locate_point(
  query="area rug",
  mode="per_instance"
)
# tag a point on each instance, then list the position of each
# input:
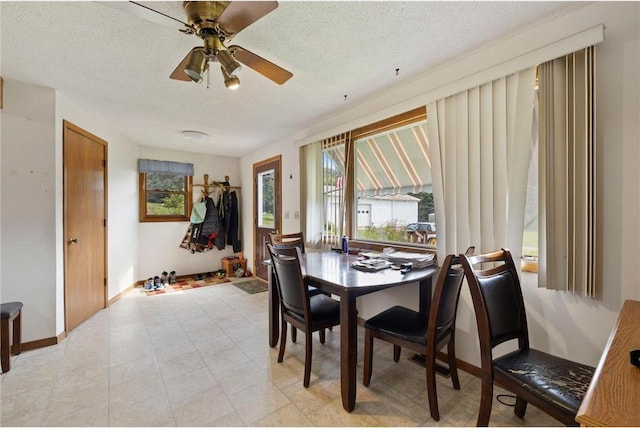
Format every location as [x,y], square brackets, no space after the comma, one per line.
[252,286]
[187,283]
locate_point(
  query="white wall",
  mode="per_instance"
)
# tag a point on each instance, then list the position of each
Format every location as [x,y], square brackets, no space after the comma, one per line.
[28,264]
[159,242]
[567,325]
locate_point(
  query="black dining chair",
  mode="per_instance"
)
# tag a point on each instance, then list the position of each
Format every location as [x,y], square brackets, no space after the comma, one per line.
[297,307]
[286,240]
[554,385]
[422,333]
[293,240]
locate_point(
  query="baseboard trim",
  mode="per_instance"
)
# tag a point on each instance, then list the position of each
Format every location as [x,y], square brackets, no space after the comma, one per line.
[122,293]
[42,343]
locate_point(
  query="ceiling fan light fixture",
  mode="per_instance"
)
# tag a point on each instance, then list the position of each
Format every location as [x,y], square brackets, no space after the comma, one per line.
[196,66]
[228,62]
[231,82]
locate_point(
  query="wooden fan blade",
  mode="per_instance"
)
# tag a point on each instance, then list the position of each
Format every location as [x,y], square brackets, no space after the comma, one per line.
[261,65]
[142,11]
[238,15]
[178,73]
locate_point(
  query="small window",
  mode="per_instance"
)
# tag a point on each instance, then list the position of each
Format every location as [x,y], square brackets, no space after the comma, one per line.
[165,197]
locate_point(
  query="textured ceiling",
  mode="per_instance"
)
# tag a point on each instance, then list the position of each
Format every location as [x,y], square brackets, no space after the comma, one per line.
[118,65]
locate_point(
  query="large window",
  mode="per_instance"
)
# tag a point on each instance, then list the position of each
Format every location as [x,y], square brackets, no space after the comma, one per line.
[393,187]
[164,190]
[377,183]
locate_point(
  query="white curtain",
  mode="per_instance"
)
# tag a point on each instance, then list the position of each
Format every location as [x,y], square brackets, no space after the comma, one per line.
[567,213]
[480,142]
[311,194]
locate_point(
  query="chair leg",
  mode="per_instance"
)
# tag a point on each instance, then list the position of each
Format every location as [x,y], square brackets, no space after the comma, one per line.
[294,334]
[4,346]
[486,401]
[308,341]
[17,334]
[520,408]
[396,353]
[323,337]
[283,339]
[453,365]
[432,394]
[368,358]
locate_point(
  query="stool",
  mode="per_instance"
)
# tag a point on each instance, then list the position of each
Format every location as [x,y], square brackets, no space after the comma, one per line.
[10,313]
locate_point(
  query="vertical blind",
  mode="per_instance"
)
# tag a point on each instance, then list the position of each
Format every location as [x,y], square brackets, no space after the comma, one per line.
[335,173]
[480,143]
[567,212]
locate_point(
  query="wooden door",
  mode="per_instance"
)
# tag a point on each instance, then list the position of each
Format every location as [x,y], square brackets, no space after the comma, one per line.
[267,209]
[85,225]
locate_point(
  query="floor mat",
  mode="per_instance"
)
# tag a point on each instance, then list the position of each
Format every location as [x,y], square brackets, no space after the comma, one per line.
[252,286]
[187,284]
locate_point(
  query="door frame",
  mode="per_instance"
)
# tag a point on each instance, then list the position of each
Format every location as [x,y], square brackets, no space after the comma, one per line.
[278,204]
[66,127]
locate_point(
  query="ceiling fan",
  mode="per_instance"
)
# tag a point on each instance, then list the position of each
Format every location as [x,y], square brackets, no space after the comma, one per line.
[216,23]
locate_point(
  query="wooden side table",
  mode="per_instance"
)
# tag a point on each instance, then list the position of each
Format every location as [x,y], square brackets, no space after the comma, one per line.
[230,265]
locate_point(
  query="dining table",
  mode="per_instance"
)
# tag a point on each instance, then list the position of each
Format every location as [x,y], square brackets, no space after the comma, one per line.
[334,273]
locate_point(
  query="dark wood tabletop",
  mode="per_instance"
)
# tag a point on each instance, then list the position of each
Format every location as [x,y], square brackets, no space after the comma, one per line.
[332,272]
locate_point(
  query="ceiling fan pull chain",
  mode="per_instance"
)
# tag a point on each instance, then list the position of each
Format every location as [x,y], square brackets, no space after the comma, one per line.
[208,78]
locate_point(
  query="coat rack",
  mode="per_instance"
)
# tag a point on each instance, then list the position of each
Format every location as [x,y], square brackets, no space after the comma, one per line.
[215,184]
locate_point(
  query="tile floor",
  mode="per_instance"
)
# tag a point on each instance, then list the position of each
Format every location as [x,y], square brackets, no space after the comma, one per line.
[201,358]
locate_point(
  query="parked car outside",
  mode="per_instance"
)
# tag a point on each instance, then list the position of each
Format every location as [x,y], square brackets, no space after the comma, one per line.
[422,232]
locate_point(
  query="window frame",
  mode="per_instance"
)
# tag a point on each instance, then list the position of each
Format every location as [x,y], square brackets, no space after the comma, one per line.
[143,197]
[407,118]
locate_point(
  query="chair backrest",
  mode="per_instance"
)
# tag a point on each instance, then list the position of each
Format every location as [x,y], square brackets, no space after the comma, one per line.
[286,263]
[287,240]
[497,299]
[444,306]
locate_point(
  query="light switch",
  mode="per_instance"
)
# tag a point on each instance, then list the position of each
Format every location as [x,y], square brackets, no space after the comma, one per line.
[286,215]
[296,215]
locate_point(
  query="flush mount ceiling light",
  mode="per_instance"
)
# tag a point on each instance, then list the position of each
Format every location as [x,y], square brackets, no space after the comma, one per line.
[195,136]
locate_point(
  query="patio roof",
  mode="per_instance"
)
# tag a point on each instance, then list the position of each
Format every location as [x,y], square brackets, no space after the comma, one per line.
[394,162]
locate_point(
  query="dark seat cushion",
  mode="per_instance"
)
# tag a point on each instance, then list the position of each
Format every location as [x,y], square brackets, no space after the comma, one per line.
[552,378]
[323,308]
[7,310]
[401,322]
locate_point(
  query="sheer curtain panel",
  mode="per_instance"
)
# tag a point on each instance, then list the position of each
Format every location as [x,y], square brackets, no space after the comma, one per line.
[311,217]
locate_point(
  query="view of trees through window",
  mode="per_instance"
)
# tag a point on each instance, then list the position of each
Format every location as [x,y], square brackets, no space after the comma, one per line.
[165,194]
[267,198]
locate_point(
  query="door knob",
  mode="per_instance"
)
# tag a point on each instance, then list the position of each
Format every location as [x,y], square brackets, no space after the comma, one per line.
[73,240]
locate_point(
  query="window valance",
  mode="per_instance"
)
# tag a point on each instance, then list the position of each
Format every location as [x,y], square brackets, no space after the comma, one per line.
[160,167]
